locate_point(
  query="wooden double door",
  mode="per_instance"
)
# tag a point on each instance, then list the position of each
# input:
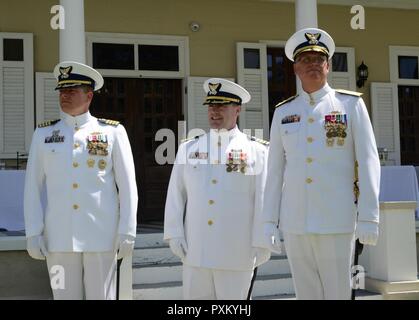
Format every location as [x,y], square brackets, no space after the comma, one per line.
[409,124]
[281,78]
[144,106]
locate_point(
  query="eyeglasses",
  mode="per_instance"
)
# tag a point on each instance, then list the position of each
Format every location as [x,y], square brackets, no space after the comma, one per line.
[314,59]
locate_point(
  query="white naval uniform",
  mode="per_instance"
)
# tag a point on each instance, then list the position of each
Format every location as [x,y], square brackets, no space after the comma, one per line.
[91,198]
[222,209]
[309,188]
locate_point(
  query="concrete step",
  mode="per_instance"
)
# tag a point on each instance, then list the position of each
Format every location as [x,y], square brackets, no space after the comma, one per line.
[172,271]
[151,239]
[159,254]
[153,255]
[265,285]
[402,295]
[359,295]
[157,272]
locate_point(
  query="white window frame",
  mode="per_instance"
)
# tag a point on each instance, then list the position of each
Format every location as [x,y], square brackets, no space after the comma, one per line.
[263,71]
[27,63]
[139,39]
[350,60]
[394,53]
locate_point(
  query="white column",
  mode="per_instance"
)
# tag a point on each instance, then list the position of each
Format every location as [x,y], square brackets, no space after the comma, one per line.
[72,37]
[305,14]
[305,17]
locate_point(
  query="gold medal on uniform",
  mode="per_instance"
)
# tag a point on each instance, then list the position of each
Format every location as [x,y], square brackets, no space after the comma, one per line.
[236,161]
[335,124]
[101,164]
[330,130]
[90,163]
[341,134]
[97,144]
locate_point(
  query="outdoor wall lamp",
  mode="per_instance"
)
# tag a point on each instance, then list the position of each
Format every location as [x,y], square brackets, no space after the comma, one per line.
[362,75]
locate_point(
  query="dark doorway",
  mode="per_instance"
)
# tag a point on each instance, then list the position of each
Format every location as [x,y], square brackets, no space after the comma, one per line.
[409,124]
[144,106]
[281,78]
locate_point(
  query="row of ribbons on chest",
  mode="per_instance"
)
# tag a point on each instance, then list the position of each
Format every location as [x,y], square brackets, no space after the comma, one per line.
[236,160]
[335,125]
[97,142]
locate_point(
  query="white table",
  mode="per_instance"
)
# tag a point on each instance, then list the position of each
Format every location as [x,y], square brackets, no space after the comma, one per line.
[399,183]
[11,199]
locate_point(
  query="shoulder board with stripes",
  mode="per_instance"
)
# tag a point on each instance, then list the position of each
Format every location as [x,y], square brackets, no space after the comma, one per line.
[193,138]
[286,100]
[350,93]
[48,123]
[110,122]
[264,142]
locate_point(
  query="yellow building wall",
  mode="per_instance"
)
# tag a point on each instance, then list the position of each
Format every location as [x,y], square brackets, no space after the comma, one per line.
[33,17]
[223,23]
[383,28]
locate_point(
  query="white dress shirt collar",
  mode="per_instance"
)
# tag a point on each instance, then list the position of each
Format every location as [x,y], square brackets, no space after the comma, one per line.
[75,121]
[314,97]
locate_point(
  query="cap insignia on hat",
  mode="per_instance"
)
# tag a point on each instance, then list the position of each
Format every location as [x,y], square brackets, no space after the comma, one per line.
[65,72]
[214,88]
[312,38]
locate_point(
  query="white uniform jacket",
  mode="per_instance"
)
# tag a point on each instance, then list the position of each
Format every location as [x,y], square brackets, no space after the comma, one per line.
[223,210]
[88,169]
[310,184]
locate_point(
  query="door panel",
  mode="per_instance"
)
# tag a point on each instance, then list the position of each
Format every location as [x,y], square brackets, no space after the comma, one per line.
[281,78]
[144,106]
[409,124]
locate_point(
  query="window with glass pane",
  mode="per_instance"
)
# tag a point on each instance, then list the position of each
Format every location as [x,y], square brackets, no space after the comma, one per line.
[158,58]
[113,56]
[13,49]
[408,67]
[251,59]
[340,62]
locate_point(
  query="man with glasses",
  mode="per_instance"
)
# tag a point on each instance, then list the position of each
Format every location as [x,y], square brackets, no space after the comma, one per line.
[317,137]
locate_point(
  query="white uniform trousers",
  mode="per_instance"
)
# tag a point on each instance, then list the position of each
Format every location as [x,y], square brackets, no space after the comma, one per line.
[320,265]
[215,284]
[89,275]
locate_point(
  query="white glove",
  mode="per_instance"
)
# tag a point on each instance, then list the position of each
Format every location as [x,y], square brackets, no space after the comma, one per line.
[367,232]
[124,245]
[179,247]
[36,247]
[272,237]
[261,255]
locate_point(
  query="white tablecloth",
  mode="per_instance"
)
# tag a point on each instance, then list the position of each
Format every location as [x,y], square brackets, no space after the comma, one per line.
[11,199]
[399,183]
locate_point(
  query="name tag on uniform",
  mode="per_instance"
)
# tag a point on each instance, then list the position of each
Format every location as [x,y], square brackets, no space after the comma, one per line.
[291,119]
[55,137]
[198,155]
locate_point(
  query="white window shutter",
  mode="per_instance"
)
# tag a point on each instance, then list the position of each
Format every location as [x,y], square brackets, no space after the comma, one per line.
[47,102]
[13,99]
[255,114]
[16,98]
[385,119]
[344,80]
[197,115]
